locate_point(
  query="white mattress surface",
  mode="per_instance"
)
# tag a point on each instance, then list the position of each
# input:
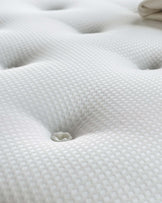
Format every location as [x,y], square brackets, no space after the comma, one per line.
[92,69]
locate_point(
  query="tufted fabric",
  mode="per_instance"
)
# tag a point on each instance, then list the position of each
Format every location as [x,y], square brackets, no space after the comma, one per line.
[89,73]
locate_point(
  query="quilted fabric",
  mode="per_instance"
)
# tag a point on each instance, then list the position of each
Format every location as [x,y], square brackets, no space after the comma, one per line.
[92,69]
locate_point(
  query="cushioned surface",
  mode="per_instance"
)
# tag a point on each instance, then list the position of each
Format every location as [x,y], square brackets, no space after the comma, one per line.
[93,69]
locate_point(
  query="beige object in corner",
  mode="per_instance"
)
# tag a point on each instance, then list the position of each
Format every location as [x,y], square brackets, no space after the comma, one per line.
[151,9]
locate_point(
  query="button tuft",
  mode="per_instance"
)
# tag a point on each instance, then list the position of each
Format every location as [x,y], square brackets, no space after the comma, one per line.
[61,136]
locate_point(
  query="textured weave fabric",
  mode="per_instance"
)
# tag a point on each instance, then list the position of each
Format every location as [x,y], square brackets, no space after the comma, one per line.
[91,69]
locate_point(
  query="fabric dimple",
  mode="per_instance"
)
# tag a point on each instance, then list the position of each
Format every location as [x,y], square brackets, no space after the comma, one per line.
[80,102]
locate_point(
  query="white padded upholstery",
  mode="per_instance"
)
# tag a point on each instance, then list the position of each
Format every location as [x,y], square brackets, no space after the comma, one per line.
[93,69]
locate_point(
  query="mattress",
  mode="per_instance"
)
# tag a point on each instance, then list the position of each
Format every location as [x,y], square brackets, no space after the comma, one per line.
[80,102]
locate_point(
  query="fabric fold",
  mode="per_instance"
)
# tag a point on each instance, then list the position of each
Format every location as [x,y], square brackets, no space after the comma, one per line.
[151,9]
